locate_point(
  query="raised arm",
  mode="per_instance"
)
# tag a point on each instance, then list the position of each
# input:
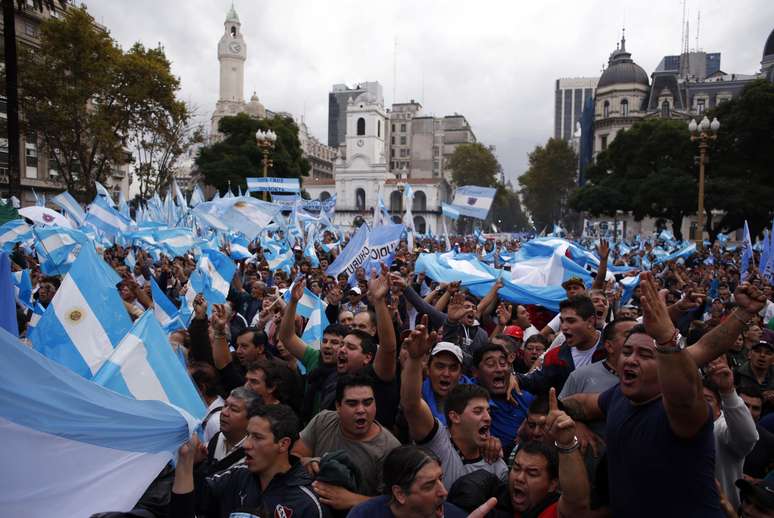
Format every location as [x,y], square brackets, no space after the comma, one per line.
[221,356]
[604,251]
[384,363]
[418,414]
[739,433]
[678,375]
[287,327]
[583,407]
[573,478]
[490,299]
[750,300]
[437,318]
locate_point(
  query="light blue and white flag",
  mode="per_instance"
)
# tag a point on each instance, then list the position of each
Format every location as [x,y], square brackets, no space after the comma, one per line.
[238,245]
[629,284]
[315,325]
[197,196]
[176,241]
[73,209]
[106,219]
[40,199]
[123,207]
[179,196]
[308,304]
[100,449]
[130,260]
[22,285]
[218,271]
[273,185]
[58,247]
[14,231]
[286,201]
[167,313]
[747,252]
[450,211]
[246,215]
[102,191]
[144,366]
[86,318]
[279,256]
[473,201]
[376,244]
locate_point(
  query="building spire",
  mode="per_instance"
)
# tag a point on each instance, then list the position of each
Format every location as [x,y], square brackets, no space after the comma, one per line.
[623,39]
[232,15]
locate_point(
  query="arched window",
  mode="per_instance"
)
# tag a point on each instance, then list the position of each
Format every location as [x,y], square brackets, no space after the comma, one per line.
[665,110]
[360,199]
[324,195]
[606,109]
[396,201]
[420,226]
[361,126]
[233,31]
[378,128]
[624,108]
[420,201]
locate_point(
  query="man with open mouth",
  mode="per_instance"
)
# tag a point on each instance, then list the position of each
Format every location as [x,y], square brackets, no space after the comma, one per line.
[461,443]
[659,428]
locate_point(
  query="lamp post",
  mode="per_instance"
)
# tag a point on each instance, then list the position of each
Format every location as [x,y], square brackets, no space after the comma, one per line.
[704,132]
[265,141]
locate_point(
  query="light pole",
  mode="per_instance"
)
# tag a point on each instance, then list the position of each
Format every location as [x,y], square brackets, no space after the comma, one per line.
[704,132]
[265,141]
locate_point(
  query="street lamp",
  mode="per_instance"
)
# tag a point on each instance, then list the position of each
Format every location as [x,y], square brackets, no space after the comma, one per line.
[704,132]
[265,141]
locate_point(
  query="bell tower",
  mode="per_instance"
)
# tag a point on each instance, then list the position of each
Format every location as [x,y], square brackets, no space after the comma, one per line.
[232,54]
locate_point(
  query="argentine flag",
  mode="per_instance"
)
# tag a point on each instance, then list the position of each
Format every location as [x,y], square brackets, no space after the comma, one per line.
[312,308]
[70,206]
[102,191]
[144,366]
[57,248]
[473,201]
[86,318]
[71,447]
[106,219]
[167,314]
[12,232]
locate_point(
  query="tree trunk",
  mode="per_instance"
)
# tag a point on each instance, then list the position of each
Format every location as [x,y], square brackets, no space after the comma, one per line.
[12,96]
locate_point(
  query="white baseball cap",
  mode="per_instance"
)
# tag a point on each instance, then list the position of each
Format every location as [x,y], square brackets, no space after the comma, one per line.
[449,348]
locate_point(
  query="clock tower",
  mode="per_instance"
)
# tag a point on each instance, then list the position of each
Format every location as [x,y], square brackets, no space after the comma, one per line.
[232,54]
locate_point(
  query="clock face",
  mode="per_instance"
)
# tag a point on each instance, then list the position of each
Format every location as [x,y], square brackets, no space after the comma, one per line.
[234,47]
[360,143]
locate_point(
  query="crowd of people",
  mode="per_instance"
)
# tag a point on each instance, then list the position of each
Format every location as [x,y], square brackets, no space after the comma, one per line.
[423,400]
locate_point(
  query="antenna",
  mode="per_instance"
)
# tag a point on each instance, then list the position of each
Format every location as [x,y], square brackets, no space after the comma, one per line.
[698,26]
[682,29]
[394,69]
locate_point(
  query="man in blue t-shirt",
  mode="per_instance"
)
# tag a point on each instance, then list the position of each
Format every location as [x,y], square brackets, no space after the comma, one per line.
[659,428]
[492,371]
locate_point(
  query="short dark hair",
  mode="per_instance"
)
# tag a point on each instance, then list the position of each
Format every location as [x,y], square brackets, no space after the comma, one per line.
[278,377]
[402,464]
[581,304]
[612,328]
[750,391]
[206,378]
[537,337]
[283,422]
[367,342]
[639,329]
[549,453]
[479,353]
[712,387]
[336,329]
[461,395]
[259,337]
[539,405]
[352,380]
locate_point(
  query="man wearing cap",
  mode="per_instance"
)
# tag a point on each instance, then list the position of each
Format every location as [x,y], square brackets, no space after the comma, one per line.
[757,498]
[354,302]
[444,372]
[757,372]
[573,287]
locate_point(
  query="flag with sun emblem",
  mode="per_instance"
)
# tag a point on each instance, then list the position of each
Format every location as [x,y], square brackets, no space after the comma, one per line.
[86,318]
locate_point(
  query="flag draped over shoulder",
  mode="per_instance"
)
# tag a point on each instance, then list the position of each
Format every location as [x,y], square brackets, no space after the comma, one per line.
[76,448]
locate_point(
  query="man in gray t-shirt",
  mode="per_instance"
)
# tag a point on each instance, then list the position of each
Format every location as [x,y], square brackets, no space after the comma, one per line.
[459,447]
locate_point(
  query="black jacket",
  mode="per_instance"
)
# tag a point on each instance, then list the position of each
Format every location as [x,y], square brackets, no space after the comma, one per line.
[236,489]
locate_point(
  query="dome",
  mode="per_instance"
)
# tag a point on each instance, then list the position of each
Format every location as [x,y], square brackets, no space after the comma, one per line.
[622,69]
[768,49]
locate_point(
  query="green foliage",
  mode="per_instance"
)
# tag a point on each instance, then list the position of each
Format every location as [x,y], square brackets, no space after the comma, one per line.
[548,182]
[237,156]
[88,99]
[738,175]
[507,213]
[474,164]
[647,170]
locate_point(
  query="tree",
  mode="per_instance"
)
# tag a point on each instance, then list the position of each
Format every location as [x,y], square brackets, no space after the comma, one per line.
[548,182]
[647,170]
[506,212]
[738,175]
[237,156]
[87,99]
[11,72]
[474,164]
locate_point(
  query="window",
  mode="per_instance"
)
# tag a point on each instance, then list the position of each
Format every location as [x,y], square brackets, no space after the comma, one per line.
[603,142]
[420,225]
[396,201]
[378,128]
[392,140]
[324,195]
[361,126]
[393,128]
[403,128]
[392,153]
[665,109]
[403,141]
[30,30]
[700,105]
[420,201]
[404,152]
[606,110]
[360,199]
[233,32]
[31,153]
[624,108]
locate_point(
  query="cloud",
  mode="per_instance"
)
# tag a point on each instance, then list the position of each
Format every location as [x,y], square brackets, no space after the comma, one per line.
[493,61]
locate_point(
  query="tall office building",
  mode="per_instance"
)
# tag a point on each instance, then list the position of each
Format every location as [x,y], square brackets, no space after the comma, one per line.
[569,98]
[337,108]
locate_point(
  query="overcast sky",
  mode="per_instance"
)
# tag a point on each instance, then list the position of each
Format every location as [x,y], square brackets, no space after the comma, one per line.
[495,62]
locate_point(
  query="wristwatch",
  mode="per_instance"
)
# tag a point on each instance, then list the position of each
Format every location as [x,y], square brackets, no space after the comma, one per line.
[574,445]
[673,345]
